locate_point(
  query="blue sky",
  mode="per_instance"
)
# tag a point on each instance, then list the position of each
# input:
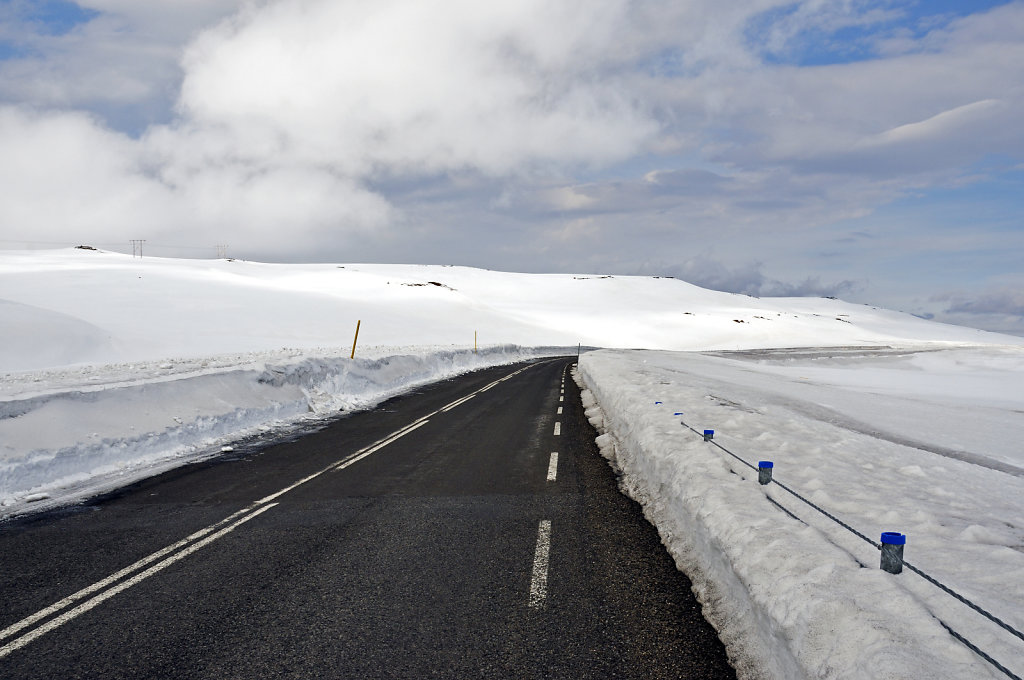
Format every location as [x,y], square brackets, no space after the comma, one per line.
[871,149]
[840,42]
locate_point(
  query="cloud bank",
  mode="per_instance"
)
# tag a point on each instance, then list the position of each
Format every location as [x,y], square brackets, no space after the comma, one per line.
[631,132]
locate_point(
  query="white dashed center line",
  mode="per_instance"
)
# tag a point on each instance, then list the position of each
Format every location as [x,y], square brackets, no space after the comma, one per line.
[539,582]
[558,429]
[553,466]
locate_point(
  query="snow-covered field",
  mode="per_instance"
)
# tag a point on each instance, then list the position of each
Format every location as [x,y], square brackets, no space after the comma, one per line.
[115,367]
[923,442]
[76,306]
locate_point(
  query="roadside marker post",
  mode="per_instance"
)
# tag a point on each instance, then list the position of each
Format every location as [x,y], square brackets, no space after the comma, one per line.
[892,551]
[355,339]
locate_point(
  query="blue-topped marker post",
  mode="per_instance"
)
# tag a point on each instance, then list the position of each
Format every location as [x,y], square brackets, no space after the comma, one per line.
[709,435]
[764,471]
[892,551]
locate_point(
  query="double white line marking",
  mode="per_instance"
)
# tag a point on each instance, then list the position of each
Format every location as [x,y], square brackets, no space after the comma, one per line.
[463,400]
[184,548]
[91,596]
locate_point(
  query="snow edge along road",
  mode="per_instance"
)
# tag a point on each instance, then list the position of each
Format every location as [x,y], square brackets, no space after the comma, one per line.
[721,532]
[167,423]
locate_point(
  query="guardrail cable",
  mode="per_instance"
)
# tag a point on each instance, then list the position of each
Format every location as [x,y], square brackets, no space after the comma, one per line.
[931,579]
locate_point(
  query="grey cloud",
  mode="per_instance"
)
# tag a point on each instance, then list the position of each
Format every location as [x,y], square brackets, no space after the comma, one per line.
[658,189]
[749,279]
[702,203]
[999,308]
[1009,302]
[683,181]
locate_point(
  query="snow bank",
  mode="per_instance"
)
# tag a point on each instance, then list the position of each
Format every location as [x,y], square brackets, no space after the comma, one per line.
[795,595]
[77,440]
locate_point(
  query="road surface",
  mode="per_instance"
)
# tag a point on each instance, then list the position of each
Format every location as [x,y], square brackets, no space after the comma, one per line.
[468,529]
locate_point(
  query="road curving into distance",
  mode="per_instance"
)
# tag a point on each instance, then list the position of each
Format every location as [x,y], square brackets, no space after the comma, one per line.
[467,529]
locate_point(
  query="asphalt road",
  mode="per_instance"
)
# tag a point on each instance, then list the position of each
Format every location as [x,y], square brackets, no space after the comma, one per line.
[430,537]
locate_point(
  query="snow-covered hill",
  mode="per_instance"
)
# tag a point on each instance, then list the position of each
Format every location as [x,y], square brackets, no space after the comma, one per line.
[84,306]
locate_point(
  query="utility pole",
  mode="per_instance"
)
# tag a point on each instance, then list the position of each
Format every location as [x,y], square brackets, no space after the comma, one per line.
[137,247]
[222,251]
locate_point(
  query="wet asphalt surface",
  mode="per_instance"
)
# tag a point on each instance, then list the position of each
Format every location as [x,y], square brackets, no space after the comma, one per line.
[416,561]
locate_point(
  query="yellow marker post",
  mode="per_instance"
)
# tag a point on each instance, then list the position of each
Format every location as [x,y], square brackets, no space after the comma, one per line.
[474,342]
[356,339]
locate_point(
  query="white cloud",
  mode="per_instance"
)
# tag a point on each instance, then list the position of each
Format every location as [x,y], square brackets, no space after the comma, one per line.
[62,173]
[287,109]
[635,125]
[69,179]
[418,86]
[941,125]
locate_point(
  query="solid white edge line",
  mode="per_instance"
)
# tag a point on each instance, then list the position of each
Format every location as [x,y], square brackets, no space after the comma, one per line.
[553,467]
[539,579]
[124,585]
